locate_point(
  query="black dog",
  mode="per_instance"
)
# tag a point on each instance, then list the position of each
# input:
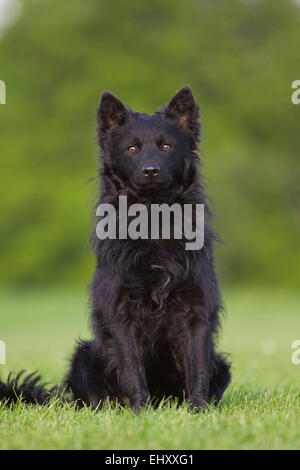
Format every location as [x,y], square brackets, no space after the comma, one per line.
[155,305]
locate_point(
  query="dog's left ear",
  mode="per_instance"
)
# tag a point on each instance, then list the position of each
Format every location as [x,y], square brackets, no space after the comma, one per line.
[184,110]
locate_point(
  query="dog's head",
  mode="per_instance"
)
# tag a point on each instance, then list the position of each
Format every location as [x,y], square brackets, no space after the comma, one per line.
[150,153]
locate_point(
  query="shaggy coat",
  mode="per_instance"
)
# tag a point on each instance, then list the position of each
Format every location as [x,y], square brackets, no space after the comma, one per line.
[154,305]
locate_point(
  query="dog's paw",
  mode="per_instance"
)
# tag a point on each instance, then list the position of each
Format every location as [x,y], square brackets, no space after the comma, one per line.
[139,403]
[138,407]
[198,405]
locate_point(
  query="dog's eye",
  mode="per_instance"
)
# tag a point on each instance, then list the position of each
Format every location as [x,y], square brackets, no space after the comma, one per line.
[132,148]
[166,147]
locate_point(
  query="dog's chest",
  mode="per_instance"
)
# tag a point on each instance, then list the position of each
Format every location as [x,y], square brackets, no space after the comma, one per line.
[153,275]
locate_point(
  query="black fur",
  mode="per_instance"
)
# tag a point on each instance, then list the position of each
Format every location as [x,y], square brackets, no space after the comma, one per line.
[155,305]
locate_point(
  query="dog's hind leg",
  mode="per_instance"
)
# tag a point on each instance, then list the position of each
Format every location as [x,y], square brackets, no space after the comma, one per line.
[220,378]
[86,378]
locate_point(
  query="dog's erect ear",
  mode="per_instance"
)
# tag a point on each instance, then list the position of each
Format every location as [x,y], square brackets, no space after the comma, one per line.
[111,113]
[184,110]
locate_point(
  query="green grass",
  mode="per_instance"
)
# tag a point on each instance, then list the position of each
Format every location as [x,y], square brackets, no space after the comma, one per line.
[260,410]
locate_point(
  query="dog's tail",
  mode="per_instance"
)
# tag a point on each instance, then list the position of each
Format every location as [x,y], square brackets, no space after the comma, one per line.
[27,389]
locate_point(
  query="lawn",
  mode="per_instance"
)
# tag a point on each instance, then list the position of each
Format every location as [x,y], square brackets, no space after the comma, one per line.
[260,410]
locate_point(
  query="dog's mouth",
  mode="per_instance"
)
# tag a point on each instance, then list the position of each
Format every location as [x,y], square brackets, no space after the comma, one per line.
[152,186]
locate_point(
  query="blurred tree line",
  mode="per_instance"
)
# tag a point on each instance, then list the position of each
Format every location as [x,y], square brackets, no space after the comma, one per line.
[240,58]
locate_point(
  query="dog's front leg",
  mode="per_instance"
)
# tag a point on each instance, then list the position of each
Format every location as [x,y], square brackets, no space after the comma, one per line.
[130,367]
[190,343]
[195,361]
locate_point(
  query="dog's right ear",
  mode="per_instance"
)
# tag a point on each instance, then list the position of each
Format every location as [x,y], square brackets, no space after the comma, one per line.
[111,113]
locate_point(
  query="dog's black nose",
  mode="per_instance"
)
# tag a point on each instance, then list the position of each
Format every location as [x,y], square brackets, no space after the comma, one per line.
[151,170]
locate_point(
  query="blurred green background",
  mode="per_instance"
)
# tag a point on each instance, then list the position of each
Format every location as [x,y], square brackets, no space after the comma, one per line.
[240,57]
